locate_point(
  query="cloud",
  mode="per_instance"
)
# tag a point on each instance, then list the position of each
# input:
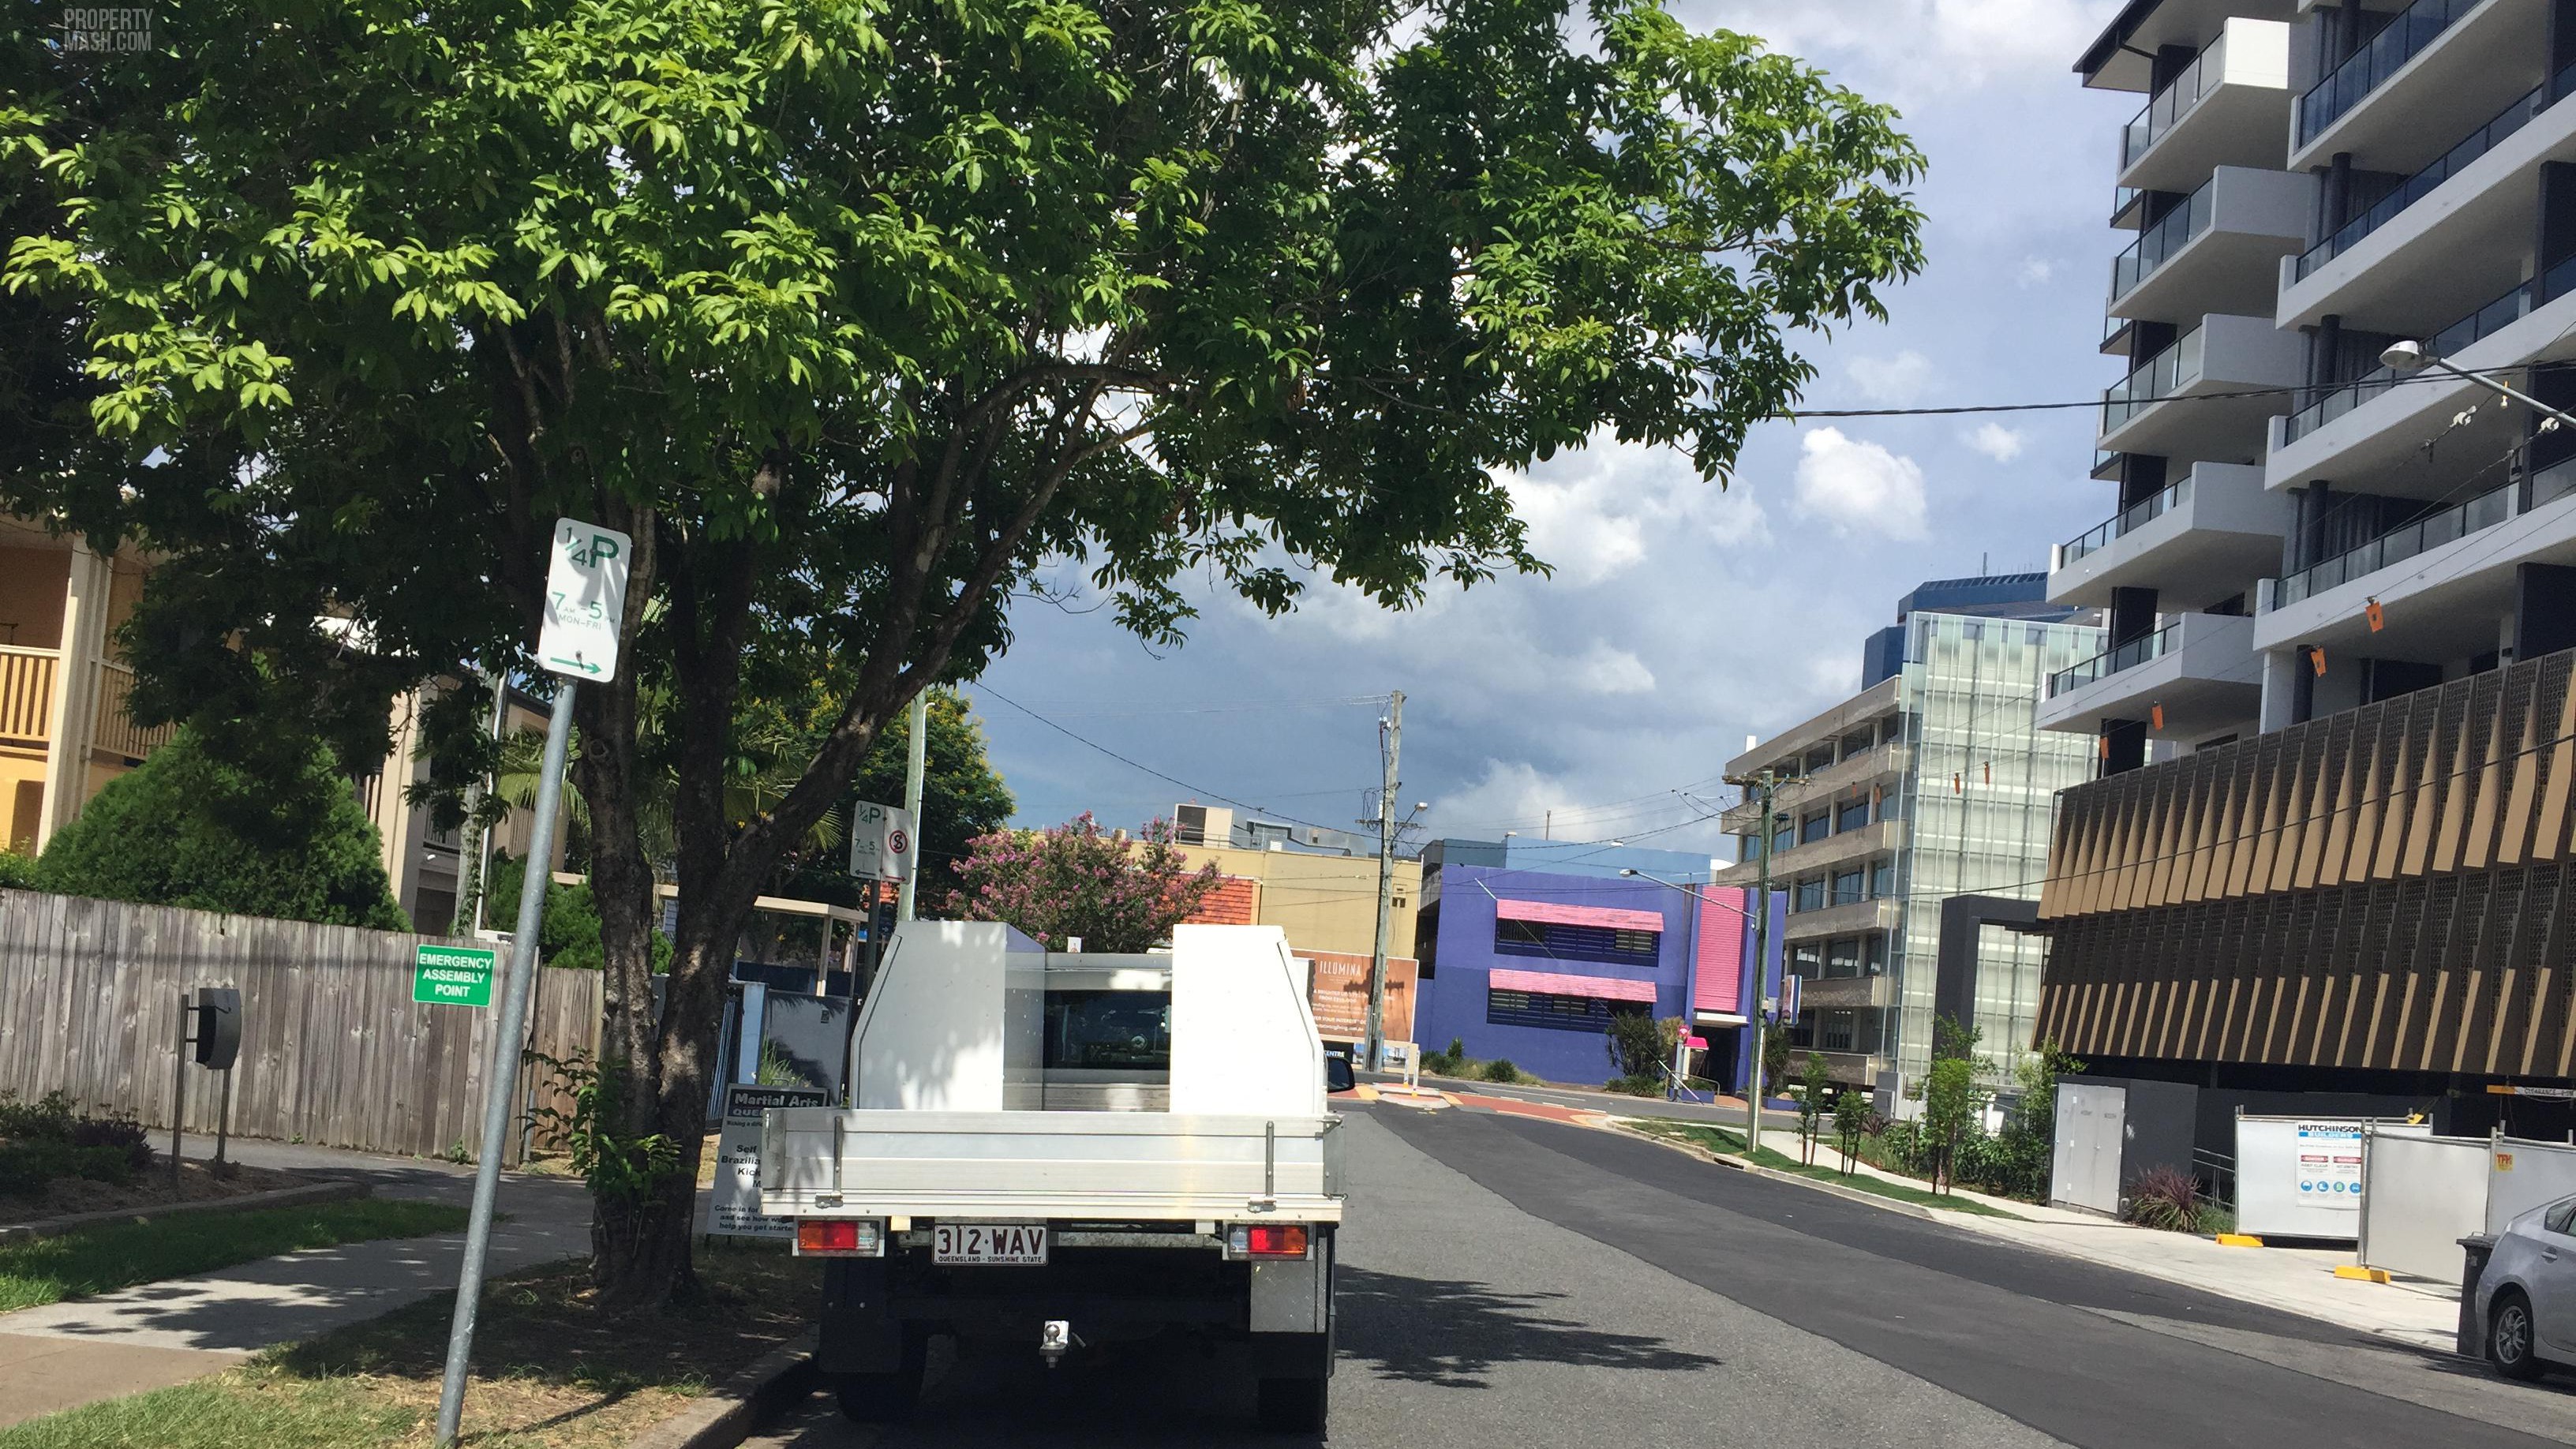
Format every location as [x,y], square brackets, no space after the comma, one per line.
[1930,46]
[1858,487]
[2034,272]
[1996,441]
[1895,380]
[1597,512]
[1607,670]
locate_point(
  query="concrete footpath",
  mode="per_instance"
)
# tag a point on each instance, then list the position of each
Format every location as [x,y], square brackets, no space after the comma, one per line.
[157,1334]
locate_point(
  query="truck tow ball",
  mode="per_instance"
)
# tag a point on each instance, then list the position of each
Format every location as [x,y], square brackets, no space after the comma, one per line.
[1055,1339]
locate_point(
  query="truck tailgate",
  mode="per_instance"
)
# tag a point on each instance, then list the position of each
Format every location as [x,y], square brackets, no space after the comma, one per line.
[1094,1166]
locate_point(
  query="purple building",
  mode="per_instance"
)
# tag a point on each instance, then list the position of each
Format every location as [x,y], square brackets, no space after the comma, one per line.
[1531,964]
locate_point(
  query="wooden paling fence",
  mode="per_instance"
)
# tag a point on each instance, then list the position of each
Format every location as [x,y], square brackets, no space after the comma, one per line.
[334,1051]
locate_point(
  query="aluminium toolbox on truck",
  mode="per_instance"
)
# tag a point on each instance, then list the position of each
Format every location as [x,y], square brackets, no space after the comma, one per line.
[1062,1150]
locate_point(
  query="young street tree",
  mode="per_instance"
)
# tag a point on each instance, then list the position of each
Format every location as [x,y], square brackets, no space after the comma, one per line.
[864,319]
[1078,881]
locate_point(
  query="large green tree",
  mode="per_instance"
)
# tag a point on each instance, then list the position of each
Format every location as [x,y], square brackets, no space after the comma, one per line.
[858,314]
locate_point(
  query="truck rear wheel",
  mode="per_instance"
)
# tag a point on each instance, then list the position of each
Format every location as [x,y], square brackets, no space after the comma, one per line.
[1294,1406]
[886,1398]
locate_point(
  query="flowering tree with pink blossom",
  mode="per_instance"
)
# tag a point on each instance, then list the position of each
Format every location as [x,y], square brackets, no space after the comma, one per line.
[1075,879]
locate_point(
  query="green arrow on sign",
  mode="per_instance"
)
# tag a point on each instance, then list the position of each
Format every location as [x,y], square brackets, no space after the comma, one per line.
[582,665]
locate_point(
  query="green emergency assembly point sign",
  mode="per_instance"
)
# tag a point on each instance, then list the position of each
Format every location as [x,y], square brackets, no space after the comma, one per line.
[451,975]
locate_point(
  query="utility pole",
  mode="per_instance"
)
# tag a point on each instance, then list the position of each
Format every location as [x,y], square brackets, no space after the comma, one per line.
[1390,745]
[1762,787]
[912,773]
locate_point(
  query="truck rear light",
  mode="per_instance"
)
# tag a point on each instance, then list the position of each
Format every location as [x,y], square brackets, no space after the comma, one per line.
[840,1238]
[1266,1240]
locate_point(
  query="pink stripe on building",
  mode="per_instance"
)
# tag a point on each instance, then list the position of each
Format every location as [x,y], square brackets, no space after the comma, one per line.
[1557,915]
[1717,969]
[1557,983]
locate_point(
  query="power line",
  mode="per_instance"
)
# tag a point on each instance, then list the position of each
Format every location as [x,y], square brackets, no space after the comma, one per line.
[1135,764]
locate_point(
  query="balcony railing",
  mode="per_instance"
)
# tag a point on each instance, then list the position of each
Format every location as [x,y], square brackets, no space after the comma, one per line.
[2160,241]
[2158,378]
[2485,322]
[2174,102]
[27,694]
[2383,55]
[2428,532]
[2423,183]
[2129,519]
[116,731]
[2111,661]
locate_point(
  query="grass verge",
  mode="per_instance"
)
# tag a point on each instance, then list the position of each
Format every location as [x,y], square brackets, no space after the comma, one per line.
[552,1369]
[120,1255]
[1732,1145]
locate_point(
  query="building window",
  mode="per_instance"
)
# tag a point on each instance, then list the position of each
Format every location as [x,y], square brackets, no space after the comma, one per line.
[1836,1032]
[1820,759]
[1782,839]
[1842,957]
[1807,958]
[1847,888]
[1882,879]
[1851,815]
[1558,941]
[1558,1013]
[1810,896]
[1815,827]
[1873,955]
[1859,742]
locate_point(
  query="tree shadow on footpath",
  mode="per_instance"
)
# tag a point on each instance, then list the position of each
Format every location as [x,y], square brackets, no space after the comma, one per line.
[1452,1333]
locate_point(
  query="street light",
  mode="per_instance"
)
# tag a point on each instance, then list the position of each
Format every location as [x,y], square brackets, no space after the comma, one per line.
[2406,358]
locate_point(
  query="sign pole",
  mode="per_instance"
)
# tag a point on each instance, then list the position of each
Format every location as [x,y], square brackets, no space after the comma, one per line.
[912,773]
[585,607]
[503,1079]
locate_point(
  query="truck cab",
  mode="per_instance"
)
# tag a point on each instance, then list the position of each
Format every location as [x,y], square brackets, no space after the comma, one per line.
[1066,1150]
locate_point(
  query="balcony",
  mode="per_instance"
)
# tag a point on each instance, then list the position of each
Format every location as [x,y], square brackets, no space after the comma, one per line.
[27,696]
[2472,148]
[1849,919]
[2227,108]
[2442,581]
[1879,837]
[2199,669]
[115,732]
[2211,533]
[1883,765]
[2433,71]
[2369,434]
[1846,993]
[2217,251]
[2219,355]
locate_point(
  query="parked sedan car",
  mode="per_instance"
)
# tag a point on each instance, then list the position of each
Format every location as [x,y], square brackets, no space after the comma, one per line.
[2527,1296]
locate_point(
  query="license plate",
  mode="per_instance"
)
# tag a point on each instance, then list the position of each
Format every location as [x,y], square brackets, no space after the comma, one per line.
[990,1245]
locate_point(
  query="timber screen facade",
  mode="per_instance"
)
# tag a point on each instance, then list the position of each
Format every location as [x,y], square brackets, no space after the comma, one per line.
[2385,889]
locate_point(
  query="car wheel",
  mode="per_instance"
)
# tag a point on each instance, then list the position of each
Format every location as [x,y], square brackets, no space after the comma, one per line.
[2509,1336]
[1295,1406]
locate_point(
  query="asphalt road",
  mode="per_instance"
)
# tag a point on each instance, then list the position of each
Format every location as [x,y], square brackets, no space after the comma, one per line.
[1513,1282]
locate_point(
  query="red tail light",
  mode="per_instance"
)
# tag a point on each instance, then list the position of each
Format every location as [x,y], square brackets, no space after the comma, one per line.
[1268,1240]
[850,1237]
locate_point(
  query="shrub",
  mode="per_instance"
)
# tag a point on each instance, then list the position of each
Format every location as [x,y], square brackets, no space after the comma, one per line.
[1641,1046]
[1449,1062]
[25,1167]
[49,1116]
[2165,1198]
[121,1133]
[17,872]
[1635,1085]
[187,829]
[1501,1070]
[49,1127]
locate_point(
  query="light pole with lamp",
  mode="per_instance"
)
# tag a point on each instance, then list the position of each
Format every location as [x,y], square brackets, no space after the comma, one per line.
[1761,971]
[2408,358]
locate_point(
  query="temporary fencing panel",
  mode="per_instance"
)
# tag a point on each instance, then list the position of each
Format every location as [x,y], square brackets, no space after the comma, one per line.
[2523,1174]
[2300,1177]
[2423,1195]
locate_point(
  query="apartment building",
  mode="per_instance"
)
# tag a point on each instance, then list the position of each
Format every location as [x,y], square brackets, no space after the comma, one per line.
[1928,784]
[2341,584]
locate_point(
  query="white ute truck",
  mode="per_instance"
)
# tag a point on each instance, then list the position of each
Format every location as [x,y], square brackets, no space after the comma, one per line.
[1066,1150]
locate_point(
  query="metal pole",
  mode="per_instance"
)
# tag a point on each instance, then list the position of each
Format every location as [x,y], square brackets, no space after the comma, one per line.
[912,773]
[1374,1049]
[179,1089]
[223,1121]
[504,1077]
[1761,968]
[481,861]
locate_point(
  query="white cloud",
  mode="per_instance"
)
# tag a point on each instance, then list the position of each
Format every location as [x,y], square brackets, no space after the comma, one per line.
[1922,45]
[1996,441]
[1597,512]
[1607,670]
[2034,272]
[1896,380]
[1858,487]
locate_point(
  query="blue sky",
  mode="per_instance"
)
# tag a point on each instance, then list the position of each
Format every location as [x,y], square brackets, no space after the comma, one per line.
[1681,618]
